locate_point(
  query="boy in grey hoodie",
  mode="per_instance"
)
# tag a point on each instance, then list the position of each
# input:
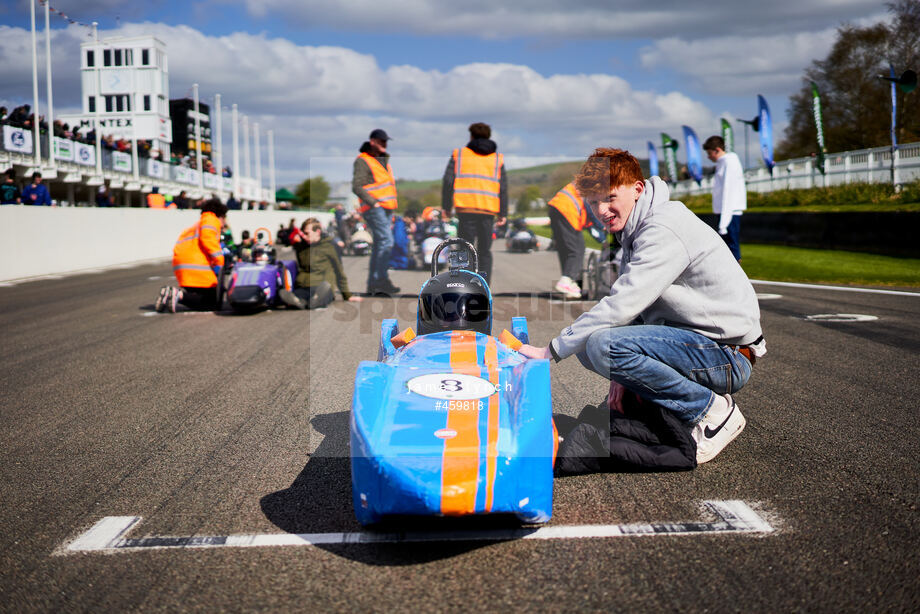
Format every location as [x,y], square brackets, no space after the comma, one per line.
[681,326]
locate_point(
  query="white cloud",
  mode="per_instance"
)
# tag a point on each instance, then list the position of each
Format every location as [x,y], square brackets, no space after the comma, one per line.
[553,19]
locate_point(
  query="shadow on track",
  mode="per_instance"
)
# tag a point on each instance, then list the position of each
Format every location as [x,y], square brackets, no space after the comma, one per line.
[319,501]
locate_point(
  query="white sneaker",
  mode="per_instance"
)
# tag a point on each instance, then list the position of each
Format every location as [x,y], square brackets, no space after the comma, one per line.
[721,424]
[568,287]
[160,305]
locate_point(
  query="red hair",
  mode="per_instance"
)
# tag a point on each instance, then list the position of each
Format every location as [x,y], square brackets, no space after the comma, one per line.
[606,169]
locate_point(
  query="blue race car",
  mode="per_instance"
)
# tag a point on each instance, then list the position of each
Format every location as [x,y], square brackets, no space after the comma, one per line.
[255,285]
[454,421]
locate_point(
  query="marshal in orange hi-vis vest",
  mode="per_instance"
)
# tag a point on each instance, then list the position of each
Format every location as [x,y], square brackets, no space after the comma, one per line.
[571,205]
[196,251]
[477,181]
[384,187]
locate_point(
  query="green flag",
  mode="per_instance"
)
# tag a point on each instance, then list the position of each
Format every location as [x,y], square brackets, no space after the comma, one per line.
[668,147]
[819,125]
[728,135]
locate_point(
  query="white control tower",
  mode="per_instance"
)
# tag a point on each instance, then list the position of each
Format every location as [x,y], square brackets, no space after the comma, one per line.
[126,82]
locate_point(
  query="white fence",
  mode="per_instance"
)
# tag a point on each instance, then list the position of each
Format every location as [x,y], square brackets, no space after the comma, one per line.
[861,166]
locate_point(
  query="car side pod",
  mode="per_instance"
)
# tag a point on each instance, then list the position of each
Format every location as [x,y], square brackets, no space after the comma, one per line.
[452,423]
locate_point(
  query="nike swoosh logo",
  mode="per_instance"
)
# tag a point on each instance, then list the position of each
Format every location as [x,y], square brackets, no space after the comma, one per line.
[710,433]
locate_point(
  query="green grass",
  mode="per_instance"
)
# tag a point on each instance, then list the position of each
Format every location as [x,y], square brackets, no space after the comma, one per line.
[781,263]
[797,264]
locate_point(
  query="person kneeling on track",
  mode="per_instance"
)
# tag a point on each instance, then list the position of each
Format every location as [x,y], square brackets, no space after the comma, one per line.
[681,325]
[318,267]
[197,261]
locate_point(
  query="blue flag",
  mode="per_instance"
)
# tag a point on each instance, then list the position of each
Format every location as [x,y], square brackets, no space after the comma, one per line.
[652,160]
[766,132]
[694,154]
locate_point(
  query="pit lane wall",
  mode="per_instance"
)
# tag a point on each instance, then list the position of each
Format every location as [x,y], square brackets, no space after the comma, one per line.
[37,241]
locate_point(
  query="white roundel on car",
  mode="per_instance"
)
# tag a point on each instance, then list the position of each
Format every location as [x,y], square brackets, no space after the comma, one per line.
[451,386]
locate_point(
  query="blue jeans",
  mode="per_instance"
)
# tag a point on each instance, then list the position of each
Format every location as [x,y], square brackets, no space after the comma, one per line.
[732,237]
[378,222]
[675,368]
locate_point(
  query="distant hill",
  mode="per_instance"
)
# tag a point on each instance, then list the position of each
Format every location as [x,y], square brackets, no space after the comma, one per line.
[546,178]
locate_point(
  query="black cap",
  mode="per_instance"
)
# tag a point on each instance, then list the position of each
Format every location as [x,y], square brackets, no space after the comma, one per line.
[380,135]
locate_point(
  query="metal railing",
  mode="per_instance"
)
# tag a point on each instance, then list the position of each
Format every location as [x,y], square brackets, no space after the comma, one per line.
[76,162]
[860,166]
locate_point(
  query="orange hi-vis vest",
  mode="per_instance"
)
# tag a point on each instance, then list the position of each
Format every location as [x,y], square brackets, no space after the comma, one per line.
[196,251]
[384,187]
[572,206]
[156,201]
[477,181]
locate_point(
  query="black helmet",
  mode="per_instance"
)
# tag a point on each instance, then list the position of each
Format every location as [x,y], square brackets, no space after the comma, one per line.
[457,299]
[263,254]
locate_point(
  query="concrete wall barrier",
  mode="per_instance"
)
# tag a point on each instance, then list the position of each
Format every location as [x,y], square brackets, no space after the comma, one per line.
[38,241]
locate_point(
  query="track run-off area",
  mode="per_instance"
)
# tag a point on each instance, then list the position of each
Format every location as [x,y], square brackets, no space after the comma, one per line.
[199,461]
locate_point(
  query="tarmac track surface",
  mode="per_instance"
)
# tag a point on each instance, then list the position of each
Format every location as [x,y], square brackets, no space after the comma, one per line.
[219,424]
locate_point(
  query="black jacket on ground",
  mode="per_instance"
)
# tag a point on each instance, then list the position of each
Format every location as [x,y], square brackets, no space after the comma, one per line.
[646,437]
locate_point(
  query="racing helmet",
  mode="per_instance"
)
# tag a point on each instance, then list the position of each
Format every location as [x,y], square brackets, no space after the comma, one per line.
[263,254]
[457,299]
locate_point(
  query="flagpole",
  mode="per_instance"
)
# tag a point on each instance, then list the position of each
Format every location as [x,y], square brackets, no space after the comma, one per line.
[271,165]
[258,160]
[235,129]
[51,161]
[198,139]
[219,154]
[97,129]
[37,144]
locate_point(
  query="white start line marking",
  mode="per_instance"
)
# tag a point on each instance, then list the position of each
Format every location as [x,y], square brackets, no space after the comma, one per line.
[110,533]
[840,317]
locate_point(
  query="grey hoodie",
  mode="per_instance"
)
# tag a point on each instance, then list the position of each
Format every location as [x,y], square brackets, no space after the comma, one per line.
[675,271]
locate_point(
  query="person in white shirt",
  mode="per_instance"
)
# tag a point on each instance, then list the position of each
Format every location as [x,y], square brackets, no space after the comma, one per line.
[729,195]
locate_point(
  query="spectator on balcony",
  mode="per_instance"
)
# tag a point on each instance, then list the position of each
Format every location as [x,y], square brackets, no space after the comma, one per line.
[227,172]
[3,115]
[19,116]
[59,130]
[108,142]
[36,193]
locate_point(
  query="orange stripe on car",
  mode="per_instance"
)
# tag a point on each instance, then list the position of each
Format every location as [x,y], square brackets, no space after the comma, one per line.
[491,363]
[460,463]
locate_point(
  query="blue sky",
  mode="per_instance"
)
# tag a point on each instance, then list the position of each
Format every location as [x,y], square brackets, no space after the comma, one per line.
[553,79]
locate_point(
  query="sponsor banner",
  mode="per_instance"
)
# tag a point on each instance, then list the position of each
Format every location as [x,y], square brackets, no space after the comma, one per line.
[652,160]
[180,173]
[766,132]
[155,168]
[819,126]
[84,154]
[211,181]
[728,135]
[228,183]
[63,149]
[669,147]
[121,161]
[17,139]
[694,155]
[193,176]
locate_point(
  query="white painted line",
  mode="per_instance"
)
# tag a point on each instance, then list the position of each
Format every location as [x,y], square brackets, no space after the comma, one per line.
[765,296]
[109,533]
[841,317]
[104,534]
[790,284]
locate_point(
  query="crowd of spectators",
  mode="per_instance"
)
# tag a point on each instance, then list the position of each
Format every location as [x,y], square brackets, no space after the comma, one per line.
[22,117]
